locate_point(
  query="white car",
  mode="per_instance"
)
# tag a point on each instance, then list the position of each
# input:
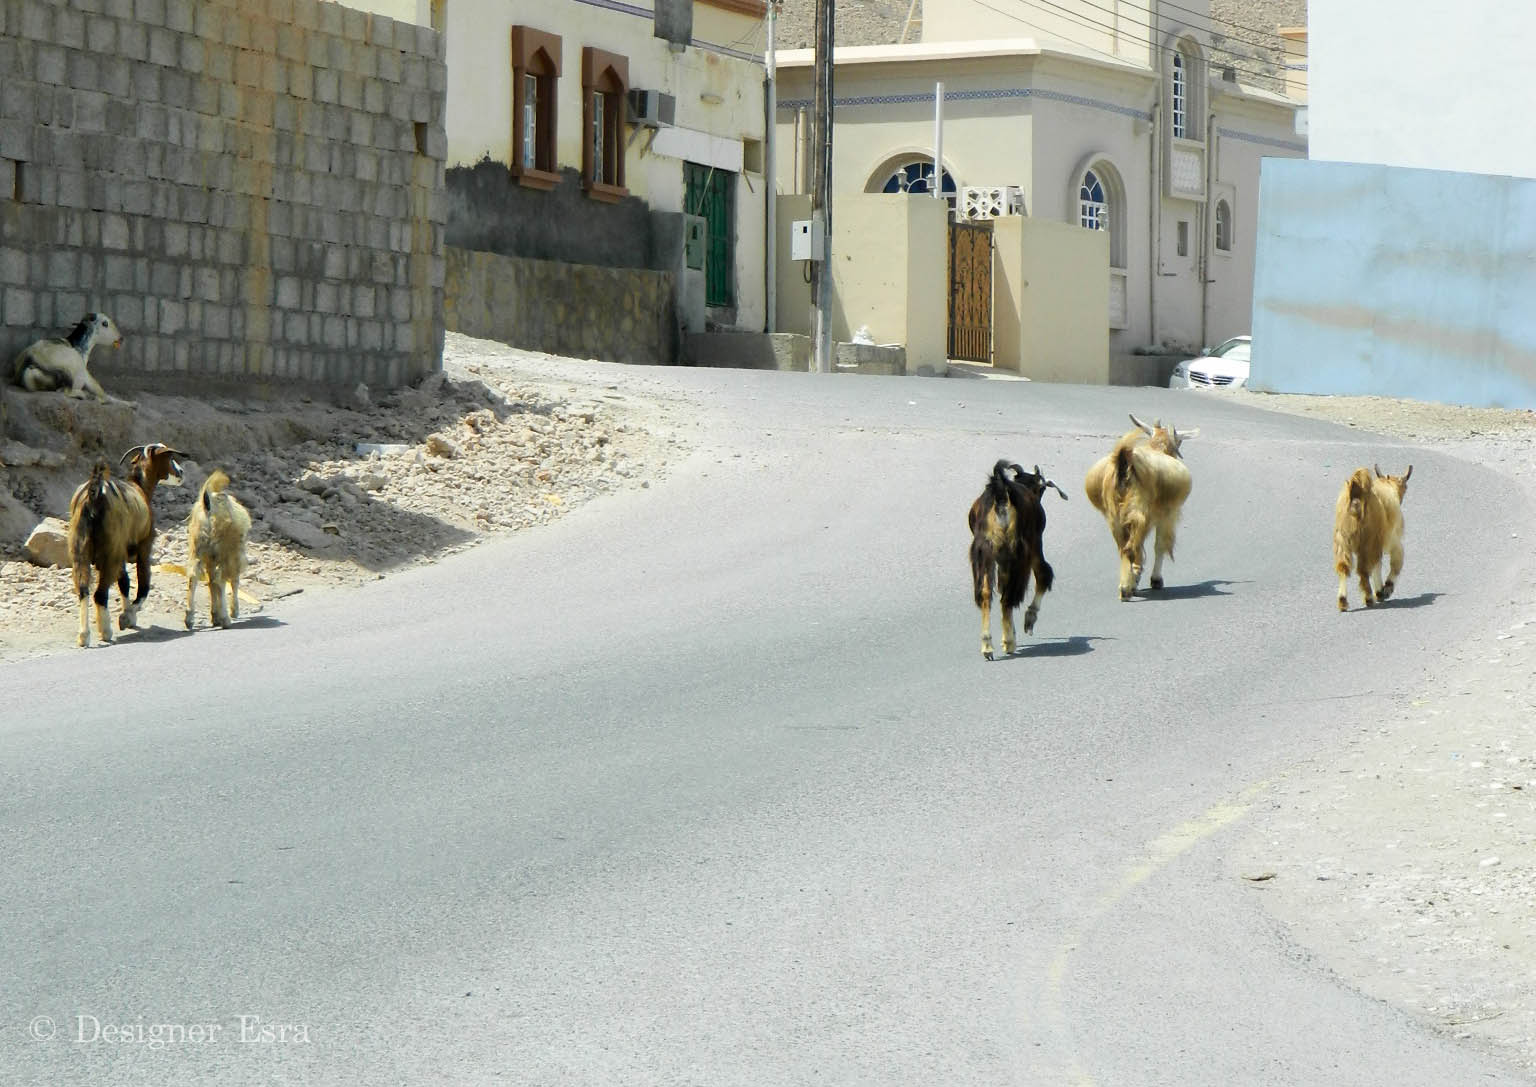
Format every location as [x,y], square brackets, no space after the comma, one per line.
[1222,367]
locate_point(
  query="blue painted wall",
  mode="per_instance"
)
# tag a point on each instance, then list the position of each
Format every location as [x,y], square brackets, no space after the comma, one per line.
[1379,280]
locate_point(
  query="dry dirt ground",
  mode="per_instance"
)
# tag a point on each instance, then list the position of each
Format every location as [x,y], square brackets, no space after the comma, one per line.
[1403,859]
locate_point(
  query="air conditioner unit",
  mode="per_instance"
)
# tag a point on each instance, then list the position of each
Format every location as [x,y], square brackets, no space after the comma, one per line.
[653,109]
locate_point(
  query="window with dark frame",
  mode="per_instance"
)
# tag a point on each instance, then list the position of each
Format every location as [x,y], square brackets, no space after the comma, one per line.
[1223,226]
[535,79]
[604,80]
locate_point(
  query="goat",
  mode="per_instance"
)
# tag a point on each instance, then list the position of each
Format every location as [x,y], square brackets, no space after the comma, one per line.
[216,535]
[1367,523]
[1007,521]
[1140,487]
[112,522]
[60,362]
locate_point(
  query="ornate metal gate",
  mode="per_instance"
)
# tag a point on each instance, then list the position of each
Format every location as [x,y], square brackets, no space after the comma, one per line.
[970,291]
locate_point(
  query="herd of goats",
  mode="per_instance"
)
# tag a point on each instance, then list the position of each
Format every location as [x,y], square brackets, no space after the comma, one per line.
[112,521]
[1140,487]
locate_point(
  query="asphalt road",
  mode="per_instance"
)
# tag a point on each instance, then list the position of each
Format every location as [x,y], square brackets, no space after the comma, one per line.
[709,783]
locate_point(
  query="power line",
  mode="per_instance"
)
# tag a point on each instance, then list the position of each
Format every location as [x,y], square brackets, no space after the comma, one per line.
[1088,24]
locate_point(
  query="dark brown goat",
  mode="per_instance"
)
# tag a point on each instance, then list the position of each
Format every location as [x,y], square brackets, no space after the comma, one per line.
[1007,525]
[112,523]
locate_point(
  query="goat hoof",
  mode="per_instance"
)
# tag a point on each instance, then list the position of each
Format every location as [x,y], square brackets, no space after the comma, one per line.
[1386,591]
[1370,601]
[1125,594]
[1157,583]
[986,654]
[1343,604]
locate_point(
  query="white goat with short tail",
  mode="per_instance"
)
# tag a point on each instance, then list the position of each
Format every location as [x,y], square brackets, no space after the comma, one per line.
[216,534]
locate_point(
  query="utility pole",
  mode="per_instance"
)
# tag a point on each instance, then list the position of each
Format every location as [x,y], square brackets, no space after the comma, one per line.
[771,170]
[821,188]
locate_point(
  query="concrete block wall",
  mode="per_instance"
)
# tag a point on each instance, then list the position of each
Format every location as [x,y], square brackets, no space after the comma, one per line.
[615,314]
[253,191]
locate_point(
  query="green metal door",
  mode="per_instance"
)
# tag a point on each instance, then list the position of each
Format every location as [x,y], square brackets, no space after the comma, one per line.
[711,193]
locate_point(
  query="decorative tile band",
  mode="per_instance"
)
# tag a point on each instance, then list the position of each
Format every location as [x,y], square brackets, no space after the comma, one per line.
[1263,141]
[972,96]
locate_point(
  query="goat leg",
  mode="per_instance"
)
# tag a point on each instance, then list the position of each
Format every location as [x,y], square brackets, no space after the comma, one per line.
[1366,575]
[1397,567]
[83,590]
[1342,569]
[103,620]
[191,593]
[130,617]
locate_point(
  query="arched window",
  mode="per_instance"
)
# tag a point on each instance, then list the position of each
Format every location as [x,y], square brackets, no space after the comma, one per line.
[1093,203]
[1223,226]
[1100,197]
[917,177]
[1180,98]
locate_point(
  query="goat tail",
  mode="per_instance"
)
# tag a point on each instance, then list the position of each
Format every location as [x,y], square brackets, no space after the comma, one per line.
[88,518]
[1045,577]
[1359,489]
[1125,467]
[217,481]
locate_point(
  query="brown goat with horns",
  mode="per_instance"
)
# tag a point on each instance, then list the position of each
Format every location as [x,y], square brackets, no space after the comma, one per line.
[112,523]
[1007,524]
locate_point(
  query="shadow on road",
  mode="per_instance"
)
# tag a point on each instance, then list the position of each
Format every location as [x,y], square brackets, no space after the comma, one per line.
[1422,600]
[1074,646]
[1213,587]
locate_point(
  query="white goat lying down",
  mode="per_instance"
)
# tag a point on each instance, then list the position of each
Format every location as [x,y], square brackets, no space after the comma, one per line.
[59,363]
[216,536]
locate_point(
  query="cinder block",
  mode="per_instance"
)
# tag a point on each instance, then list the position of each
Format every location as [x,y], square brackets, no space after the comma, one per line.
[132,41]
[164,46]
[37,21]
[20,306]
[179,16]
[151,12]
[90,111]
[127,311]
[51,65]
[306,14]
[218,62]
[193,55]
[208,22]
[350,93]
[388,65]
[73,191]
[354,24]
[69,27]
[16,139]
[39,184]
[13,267]
[7,178]
[18,100]
[327,85]
[332,18]
[176,89]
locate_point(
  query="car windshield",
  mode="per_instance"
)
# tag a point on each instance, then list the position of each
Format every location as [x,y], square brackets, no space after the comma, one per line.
[1234,350]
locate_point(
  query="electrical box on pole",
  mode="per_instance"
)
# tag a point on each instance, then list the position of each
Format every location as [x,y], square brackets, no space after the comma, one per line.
[806,237]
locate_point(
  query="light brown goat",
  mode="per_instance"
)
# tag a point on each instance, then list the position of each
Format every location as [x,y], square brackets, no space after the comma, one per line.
[1367,524]
[1140,488]
[112,523]
[216,535]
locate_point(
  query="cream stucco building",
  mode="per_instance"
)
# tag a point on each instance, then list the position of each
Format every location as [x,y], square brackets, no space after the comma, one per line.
[623,136]
[1106,115]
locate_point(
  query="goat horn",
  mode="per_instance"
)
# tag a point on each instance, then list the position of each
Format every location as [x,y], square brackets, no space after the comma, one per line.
[1408,473]
[1140,425]
[136,450]
[1053,483]
[1379,472]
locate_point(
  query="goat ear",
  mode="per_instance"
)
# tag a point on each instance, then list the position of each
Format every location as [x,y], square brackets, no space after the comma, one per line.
[1140,425]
